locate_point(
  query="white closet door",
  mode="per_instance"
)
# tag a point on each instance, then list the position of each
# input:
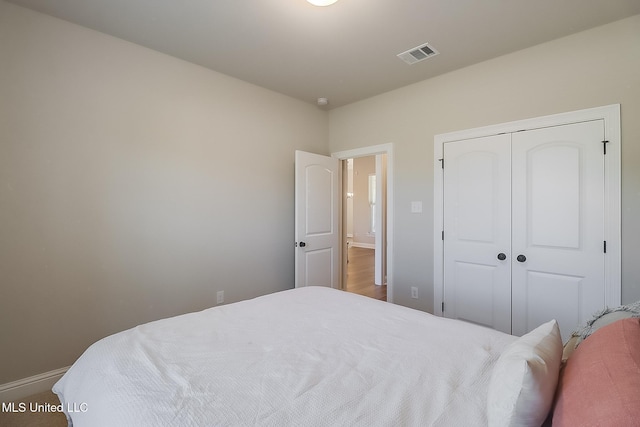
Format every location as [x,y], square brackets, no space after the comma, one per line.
[477,224]
[558,226]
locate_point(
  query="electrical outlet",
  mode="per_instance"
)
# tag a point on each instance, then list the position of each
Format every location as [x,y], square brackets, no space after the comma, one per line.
[414,292]
[220,297]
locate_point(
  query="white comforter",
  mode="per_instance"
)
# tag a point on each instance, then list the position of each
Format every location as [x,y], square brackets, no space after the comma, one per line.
[305,357]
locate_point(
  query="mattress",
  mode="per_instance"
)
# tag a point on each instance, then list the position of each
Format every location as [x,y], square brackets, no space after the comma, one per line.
[304,357]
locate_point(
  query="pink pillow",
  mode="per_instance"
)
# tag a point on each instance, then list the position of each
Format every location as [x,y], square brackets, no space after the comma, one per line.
[600,385]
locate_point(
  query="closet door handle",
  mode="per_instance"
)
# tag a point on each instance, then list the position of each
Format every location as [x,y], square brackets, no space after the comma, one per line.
[521,258]
[502,256]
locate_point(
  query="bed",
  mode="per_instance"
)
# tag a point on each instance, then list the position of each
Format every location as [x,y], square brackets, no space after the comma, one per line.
[312,357]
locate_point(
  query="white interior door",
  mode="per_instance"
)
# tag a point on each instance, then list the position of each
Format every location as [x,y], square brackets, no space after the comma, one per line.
[524,228]
[317,234]
[477,236]
[558,226]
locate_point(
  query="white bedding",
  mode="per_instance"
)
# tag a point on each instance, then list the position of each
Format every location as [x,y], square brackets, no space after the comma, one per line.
[304,357]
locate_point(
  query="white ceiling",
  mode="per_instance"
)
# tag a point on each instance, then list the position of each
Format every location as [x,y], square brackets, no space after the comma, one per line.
[345,52]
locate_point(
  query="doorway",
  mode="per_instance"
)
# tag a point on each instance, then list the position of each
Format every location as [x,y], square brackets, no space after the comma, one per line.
[382,253]
[364,225]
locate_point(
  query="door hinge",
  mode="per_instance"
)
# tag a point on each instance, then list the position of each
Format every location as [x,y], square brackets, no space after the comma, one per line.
[441,162]
[604,144]
[443,306]
[443,235]
[605,246]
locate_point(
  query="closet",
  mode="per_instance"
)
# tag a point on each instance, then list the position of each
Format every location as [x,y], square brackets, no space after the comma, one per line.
[523,227]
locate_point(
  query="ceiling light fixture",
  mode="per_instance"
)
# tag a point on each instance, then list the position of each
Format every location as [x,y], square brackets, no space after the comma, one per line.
[322,2]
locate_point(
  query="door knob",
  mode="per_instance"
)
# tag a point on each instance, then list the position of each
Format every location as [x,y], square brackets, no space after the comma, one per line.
[521,258]
[303,244]
[502,256]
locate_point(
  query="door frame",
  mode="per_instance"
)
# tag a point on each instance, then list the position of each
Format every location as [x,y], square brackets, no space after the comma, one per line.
[364,152]
[610,114]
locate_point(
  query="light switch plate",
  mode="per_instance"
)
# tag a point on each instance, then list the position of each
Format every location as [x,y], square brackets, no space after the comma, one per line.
[416,207]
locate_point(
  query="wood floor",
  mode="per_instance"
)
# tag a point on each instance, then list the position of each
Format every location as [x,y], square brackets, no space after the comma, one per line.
[361,274]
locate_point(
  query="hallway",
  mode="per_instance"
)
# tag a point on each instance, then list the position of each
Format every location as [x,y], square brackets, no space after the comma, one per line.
[361,273]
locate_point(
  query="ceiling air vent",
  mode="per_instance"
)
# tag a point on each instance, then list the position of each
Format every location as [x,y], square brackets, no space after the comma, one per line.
[418,54]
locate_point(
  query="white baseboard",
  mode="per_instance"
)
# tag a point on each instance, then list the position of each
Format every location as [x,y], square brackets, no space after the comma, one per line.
[363,245]
[15,390]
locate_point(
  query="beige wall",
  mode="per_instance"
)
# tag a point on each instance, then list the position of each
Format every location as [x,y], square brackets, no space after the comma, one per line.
[362,167]
[133,186]
[589,69]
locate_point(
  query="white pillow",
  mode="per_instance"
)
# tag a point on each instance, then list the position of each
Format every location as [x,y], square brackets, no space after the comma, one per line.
[524,379]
